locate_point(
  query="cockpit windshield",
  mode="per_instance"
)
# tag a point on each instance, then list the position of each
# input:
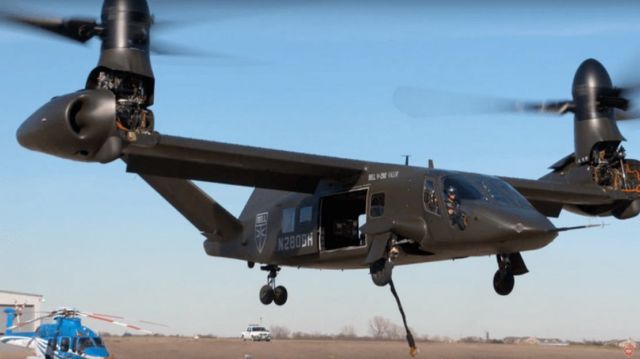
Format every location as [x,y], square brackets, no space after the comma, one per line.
[485,188]
[85,342]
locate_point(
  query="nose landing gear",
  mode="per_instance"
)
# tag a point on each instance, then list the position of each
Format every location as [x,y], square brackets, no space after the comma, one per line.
[270,293]
[503,280]
[509,265]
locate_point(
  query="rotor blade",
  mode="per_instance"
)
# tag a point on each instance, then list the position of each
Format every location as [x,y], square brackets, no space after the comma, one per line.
[123,318]
[77,29]
[20,325]
[166,48]
[153,323]
[194,57]
[417,102]
[627,115]
[114,322]
[106,315]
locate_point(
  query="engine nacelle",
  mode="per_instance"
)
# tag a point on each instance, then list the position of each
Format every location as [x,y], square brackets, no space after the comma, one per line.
[628,211]
[80,126]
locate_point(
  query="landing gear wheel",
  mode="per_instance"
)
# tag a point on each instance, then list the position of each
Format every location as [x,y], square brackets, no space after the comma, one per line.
[503,282]
[270,293]
[266,294]
[381,271]
[280,295]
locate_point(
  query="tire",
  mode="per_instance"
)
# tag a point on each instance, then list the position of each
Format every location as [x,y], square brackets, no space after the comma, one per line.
[266,294]
[280,295]
[381,272]
[503,282]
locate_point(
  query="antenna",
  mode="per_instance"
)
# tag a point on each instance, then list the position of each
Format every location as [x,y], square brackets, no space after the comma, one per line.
[431,163]
[406,159]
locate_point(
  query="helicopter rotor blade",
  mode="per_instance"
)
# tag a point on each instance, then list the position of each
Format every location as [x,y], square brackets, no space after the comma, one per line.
[106,315]
[153,323]
[23,324]
[123,318]
[76,29]
[114,322]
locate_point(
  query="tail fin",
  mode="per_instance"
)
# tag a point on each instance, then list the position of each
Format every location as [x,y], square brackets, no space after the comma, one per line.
[11,316]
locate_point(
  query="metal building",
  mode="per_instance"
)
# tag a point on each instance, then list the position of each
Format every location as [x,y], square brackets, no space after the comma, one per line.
[28,304]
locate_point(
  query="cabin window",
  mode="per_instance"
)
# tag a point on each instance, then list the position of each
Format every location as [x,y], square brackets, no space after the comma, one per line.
[64,344]
[377,205]
[305,214]
[288,220]
[431,203]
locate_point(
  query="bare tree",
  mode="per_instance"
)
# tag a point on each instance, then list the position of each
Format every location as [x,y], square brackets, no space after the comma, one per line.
[347,332]
[383,328]
[280,332]
[395,332]
[379,327]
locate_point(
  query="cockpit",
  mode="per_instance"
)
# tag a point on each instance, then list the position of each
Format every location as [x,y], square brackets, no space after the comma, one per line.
[83,343]
[472,187]
[459,190]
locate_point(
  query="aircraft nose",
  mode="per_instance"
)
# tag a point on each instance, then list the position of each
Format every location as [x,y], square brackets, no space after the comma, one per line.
[532,223]
[505,224]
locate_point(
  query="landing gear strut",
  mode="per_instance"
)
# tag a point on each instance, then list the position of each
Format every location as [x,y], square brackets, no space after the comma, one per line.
[503,280]
[382,269]
[270,292]
[381,274]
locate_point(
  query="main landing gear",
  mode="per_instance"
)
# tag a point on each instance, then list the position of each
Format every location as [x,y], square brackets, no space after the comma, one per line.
[270,292]
[382,269]
[381,274]
[509,265]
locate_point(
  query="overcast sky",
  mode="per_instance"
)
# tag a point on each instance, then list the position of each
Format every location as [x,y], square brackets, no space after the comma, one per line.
[320,79]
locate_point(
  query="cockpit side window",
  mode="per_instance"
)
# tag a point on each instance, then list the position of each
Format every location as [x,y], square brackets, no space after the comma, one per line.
[463,188]
[430,197]
[64,344]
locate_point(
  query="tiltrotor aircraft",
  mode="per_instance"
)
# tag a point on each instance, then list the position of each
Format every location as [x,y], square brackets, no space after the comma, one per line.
[323,212]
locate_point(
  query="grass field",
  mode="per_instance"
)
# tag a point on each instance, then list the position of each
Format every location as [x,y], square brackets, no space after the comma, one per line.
[164,348]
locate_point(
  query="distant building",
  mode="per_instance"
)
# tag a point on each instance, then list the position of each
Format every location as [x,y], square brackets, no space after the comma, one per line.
[28,304]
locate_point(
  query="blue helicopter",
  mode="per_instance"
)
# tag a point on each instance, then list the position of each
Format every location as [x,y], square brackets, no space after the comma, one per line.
[65,338]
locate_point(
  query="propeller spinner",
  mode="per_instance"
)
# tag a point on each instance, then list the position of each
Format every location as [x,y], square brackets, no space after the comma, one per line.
[93,124]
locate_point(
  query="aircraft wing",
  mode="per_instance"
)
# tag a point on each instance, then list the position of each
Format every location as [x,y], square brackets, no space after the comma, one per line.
[549,197]
[178,157]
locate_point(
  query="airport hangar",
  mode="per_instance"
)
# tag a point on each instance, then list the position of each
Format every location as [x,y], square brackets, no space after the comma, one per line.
[31,303]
